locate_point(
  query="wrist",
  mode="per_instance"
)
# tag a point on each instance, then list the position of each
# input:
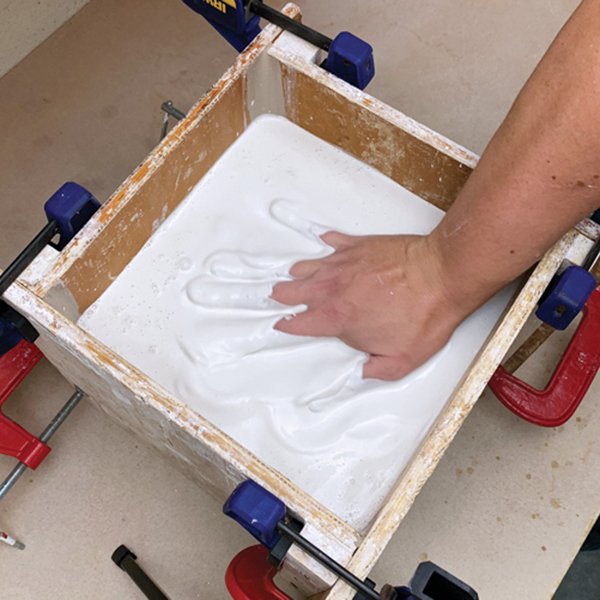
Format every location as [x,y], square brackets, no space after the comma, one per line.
[460,288]
[443,290]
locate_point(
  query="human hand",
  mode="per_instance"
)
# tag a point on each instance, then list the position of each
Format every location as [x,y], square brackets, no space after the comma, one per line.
[384,295]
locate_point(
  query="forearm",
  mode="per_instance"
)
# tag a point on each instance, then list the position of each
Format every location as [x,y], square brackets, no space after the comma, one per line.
[399,298]
[539,175]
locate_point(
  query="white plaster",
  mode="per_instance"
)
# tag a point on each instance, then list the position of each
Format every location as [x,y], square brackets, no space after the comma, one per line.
[192,310]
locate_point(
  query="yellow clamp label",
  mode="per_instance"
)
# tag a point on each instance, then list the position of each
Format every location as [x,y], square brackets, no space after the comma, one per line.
[221,4]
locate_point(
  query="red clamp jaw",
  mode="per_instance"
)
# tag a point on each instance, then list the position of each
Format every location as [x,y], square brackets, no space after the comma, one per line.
[250,577]
[14,440]
[571,380]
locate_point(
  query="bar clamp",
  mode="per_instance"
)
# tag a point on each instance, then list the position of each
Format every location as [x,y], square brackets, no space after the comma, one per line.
[269,521]
[349,57]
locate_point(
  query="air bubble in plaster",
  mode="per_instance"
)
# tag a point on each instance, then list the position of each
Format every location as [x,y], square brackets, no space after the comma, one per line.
[197,298]
[185,264]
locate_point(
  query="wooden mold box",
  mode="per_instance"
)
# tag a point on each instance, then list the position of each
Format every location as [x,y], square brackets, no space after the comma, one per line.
[276,74]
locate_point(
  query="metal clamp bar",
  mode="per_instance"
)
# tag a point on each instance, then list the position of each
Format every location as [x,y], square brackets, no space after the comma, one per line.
[170,111]
[590,259]
[26,257]
[58,420]
[327,561]
[283,21]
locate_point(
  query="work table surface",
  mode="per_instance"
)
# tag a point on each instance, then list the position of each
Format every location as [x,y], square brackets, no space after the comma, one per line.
[509,505]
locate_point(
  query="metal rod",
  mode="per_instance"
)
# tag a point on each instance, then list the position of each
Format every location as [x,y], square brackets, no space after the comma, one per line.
[171,110]
[26,257]
[283,21]
[11,541]
[58,420]
[590,259]
[125,559]
[327,561]
[165,125]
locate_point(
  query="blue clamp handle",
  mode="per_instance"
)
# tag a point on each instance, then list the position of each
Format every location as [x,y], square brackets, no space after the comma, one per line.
[351,59]
[238,41]
[71,207]
[68,210]
[257,511]
[10,336]
[230,19]
[566,297]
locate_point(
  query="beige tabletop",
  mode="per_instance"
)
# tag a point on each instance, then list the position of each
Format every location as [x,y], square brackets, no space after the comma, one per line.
[509,504]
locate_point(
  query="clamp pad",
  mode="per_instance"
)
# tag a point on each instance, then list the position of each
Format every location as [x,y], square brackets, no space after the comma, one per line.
[257,511]
[565,297]
[351,59]
[71,207]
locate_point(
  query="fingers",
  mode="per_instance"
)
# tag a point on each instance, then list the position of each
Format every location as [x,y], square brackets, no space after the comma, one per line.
[387,368]
[337,240]
[308,323]
[305,268]
[288,293]
[312,291]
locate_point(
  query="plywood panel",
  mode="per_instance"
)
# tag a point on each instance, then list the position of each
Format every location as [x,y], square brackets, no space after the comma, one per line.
[129,225]
[415,157]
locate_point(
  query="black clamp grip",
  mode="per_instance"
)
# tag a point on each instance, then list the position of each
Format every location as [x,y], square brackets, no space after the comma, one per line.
[431,582]
[19,322]
[281,548]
